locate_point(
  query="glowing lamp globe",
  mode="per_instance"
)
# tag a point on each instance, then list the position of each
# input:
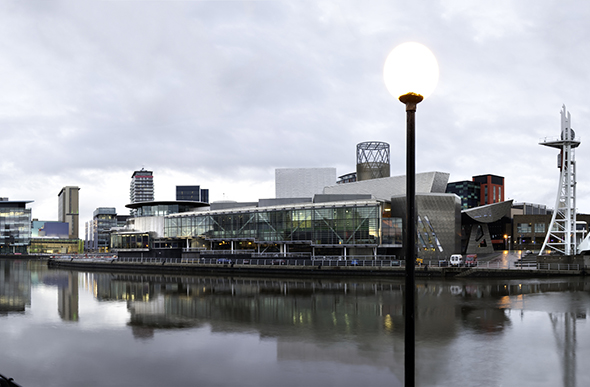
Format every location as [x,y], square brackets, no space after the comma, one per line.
[410,70]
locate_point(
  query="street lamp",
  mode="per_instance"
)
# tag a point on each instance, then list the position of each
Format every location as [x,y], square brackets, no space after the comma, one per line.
[410,74]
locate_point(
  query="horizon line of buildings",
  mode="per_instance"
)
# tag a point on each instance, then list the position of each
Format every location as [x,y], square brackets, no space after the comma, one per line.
[314,213]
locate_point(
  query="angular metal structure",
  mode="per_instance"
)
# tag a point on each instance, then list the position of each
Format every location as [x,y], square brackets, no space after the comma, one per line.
[561,236]
[438,218]
[476,228]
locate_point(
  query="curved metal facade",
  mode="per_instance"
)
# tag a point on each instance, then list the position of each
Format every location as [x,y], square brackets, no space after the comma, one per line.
[438,232]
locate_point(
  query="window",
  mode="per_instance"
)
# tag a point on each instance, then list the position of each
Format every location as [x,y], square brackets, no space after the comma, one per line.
[524,228]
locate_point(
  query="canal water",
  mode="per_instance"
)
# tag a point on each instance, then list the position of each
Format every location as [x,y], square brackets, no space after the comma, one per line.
[69,328]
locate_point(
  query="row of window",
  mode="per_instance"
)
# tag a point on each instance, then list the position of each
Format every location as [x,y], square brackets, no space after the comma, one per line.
[335,225]
[15,226]
[523,228]
[130,241]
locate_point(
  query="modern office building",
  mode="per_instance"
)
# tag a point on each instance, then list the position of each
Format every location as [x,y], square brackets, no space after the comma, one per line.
[69,209]
[529,230]
[192,192]
[481,190]
[143,234]
[302,182]
[492,189]
[49,229]
[15,226]
[122,220]
[468,191]
[141,188]
[103,220]
[50,237]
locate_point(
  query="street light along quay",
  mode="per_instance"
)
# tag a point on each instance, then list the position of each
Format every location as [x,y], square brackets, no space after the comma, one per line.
[410,74]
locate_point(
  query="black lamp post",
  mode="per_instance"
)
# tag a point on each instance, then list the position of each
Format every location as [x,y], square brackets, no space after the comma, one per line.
[410,68]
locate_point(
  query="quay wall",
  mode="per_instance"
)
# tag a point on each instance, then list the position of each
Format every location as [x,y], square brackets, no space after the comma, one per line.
[306,271]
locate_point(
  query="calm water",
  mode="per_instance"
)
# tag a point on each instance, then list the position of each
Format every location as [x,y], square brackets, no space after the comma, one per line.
[65,328]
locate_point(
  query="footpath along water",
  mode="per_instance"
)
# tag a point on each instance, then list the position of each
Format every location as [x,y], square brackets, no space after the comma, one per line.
[74,328]
[502,265]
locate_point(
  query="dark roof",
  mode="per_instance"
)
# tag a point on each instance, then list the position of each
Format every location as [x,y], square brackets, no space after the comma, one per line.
[168,203]
[14,203]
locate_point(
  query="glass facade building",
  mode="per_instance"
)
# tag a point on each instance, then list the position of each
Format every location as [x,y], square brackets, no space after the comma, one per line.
[163,208]
[192,192]
[356,223]
[104,219]
[468,191]
[132,240]
[54,246]
[15,227]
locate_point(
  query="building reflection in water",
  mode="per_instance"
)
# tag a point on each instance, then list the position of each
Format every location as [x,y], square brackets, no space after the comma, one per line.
[17,277]
[353,322]
[15,286]
[67,299]
[564,330]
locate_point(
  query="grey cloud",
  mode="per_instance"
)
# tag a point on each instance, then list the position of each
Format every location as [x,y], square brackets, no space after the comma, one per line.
[213,89]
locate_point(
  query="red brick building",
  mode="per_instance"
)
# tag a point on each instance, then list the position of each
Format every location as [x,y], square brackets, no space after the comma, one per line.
[492,189]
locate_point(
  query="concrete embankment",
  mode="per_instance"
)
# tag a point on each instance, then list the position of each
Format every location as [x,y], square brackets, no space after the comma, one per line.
[299,270]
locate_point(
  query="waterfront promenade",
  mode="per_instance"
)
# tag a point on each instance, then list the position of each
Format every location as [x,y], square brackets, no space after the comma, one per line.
[496,265]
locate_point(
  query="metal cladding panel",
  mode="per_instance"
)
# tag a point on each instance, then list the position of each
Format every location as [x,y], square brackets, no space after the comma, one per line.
[302,182]
[368,171]
[438,223]
[489,213]
[387,187]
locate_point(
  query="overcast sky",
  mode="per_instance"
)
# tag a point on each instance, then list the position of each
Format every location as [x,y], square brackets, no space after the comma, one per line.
[220,93]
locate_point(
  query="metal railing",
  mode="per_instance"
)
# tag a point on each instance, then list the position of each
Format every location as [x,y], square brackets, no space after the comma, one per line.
[275,261]
[281,260]
[227,252]
[559,266]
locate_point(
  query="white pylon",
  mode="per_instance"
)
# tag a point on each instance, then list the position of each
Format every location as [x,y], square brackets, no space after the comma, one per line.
[561,236]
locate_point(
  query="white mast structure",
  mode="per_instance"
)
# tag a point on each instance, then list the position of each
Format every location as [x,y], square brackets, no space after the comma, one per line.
[561,236]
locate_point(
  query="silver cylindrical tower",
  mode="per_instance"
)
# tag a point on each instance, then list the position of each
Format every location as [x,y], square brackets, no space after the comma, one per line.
[372,160]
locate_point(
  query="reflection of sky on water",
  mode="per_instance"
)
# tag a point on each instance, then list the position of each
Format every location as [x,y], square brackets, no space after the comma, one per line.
[138,330]
[531,351]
